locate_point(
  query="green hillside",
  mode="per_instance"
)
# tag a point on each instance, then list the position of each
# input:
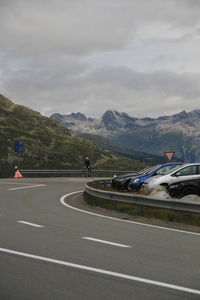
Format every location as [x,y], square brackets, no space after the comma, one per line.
[48,144]
[184,146]
[122,151]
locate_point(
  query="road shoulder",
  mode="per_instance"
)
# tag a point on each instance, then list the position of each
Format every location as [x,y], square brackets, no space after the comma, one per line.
[77,201]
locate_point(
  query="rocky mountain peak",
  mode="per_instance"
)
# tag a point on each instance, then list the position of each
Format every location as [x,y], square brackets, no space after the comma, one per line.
[112,119]
[57,117]
[108,115]
[109,120]
[78,116]
[114,114]
[180,116]
[127,118]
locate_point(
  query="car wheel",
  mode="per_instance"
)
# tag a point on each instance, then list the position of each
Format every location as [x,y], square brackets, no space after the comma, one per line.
[126,185]
[189,191]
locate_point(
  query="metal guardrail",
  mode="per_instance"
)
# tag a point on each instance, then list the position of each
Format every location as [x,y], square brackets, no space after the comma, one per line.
[141,201]
[52,171]
[71,172]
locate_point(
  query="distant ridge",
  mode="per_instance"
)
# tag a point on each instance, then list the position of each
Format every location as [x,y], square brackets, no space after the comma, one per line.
[179,132]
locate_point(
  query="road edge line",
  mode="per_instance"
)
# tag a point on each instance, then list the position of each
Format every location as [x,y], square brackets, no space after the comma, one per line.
[62,200]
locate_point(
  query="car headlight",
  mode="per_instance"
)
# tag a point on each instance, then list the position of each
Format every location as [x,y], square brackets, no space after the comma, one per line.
[136,180]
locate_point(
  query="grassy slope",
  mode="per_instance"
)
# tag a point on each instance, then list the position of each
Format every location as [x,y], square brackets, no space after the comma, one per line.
[107,144]
[48,144]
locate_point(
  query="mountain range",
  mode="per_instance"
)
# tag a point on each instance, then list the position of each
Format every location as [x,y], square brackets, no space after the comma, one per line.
[179,132]
[48,144]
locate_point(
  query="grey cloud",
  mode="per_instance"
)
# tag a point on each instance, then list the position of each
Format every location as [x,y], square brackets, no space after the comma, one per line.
[82,27]
[73,27]
[45,73]
[95,91]
[48,49]
[186,85]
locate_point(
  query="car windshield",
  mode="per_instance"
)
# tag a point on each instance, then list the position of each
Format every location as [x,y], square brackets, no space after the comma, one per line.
[151,169]
[165,170]
[174,169]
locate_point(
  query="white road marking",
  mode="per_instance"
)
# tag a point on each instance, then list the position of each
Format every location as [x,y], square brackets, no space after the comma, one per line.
[27,187]
[102,271]
[4,182]
[105,242]
[30,224]
[62,200]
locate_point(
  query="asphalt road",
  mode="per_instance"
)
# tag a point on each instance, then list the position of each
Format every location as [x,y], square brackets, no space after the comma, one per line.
[48,250]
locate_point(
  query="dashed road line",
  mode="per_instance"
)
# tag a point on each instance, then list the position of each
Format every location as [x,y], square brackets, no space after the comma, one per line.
[30,224]
[26,187]
[13,183]
[105,242]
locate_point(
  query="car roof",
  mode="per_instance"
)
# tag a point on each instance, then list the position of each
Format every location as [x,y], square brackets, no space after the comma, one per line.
[165,165]
[156,167]
[183,166]
[142,172]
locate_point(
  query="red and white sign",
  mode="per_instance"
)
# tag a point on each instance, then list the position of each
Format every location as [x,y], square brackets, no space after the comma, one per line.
[169,155]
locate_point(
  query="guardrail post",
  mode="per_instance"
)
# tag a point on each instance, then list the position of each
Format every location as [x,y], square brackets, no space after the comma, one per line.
[114,205]
[139,210]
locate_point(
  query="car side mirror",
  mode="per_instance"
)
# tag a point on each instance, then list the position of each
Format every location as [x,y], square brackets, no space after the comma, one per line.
[176,174]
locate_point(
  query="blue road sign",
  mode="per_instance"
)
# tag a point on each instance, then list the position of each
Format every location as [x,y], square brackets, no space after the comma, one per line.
[19,146]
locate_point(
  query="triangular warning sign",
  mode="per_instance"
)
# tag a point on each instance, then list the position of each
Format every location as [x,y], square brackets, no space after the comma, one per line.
[169,155]
[18,174]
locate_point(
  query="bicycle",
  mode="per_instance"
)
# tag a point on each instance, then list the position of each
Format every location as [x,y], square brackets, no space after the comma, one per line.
[88,171]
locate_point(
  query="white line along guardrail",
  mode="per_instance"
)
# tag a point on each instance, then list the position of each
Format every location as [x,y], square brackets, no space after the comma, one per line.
[140,201]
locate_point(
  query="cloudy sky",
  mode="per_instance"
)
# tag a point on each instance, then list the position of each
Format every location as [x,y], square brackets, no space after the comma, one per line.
[136,56]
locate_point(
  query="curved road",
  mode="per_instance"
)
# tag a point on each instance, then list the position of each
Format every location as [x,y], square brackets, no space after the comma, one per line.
[48,250]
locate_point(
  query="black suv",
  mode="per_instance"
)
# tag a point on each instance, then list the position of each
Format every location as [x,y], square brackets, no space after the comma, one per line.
[183,188]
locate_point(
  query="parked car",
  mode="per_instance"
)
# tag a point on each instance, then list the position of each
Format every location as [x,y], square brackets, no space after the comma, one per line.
[184,172]
[121,182]
[137,181]
[184,187]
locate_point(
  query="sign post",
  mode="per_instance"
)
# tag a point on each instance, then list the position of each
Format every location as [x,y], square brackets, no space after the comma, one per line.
[169,155]
[18,148]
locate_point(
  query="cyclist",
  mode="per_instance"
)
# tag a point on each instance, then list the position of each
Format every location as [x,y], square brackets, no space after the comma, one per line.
[88,166]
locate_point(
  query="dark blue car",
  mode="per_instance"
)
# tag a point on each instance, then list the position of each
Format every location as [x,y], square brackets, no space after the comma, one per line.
[137,181]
